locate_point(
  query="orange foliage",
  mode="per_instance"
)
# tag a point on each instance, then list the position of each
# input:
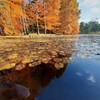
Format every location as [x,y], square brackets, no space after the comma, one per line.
[69,15]
[11,15]
[16,16]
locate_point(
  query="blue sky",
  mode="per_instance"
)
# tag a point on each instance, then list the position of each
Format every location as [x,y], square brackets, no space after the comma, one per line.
[90,10]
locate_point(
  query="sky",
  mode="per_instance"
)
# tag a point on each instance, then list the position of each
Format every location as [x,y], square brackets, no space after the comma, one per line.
[90,10]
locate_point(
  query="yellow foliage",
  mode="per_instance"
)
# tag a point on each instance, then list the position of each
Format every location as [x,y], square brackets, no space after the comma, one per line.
[18,16]
[8,66]
[27,60]
[12,56]
[11,14]
[1,59]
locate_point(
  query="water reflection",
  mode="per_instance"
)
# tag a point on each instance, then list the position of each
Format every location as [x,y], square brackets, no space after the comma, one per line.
[12,91]
[88,47]
[27,83]
[81,80]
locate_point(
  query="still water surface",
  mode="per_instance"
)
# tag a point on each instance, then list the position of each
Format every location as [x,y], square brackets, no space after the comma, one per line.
[78,80]
[81,79]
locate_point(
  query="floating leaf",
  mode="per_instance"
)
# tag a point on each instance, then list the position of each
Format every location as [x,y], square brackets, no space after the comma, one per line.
[44,60]
[27,60]
[19,67]
[59,65]
[33,53]
[1,59]
[12,56]
[8,66]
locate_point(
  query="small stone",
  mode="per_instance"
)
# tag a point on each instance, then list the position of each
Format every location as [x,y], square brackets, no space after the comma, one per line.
[44,60]
[98,54]
[57,60]
[35,57]
[62,53]
[20,67]
[65,60]
[41,48]
[53,53]
[34,53]
[9,49]
[59,65]
[34,64]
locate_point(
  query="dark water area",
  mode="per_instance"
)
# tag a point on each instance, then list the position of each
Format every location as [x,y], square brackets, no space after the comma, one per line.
[78,80]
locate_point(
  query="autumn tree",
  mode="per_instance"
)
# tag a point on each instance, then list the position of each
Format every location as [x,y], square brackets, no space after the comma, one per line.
[1,20]
[51,15]
[11,16]
[44,15]
[34,12]
[69,15]
[19,17]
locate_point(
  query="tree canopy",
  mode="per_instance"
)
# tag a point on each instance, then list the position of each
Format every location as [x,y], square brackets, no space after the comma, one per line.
[21,17]
[90,27]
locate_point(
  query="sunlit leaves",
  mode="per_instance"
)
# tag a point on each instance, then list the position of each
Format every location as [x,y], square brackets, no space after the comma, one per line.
[26,60]
[11,14]
[12,56]
[8,66]
[69,15]
[18,16]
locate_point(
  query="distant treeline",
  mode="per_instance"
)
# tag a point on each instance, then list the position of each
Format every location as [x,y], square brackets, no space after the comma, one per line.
[90,27]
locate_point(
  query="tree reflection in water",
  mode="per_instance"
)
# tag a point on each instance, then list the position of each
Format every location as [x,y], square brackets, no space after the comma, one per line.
[26,84]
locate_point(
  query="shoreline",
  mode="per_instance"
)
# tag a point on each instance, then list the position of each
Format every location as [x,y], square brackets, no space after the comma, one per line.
[19,53]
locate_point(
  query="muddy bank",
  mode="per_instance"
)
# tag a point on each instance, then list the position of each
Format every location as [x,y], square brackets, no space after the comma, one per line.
[18,53]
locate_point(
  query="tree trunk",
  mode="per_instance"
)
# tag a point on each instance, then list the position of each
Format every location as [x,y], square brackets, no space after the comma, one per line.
[45,30]
[37,21]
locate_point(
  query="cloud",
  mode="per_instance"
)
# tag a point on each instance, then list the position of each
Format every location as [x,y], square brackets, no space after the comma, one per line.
[95,10]
[90,10]
[78,74]
[91,78]
[90,3]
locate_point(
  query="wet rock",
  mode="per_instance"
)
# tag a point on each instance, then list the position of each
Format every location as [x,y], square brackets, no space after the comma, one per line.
[62,54]
[41,48]
[98,54]
[12,91]
[20,67]
[59,65]
[33,53]
[45,60]
[57,60]
[22,91]
[53,53]
[33,64]
[65,60]
[36,57]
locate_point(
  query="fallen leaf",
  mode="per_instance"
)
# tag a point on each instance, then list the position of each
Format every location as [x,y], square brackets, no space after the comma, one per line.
[12,56]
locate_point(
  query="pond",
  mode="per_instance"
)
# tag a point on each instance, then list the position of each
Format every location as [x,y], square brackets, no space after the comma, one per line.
[78,80]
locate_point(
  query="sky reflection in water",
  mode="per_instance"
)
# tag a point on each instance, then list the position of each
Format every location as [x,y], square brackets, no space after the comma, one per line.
[81,80]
